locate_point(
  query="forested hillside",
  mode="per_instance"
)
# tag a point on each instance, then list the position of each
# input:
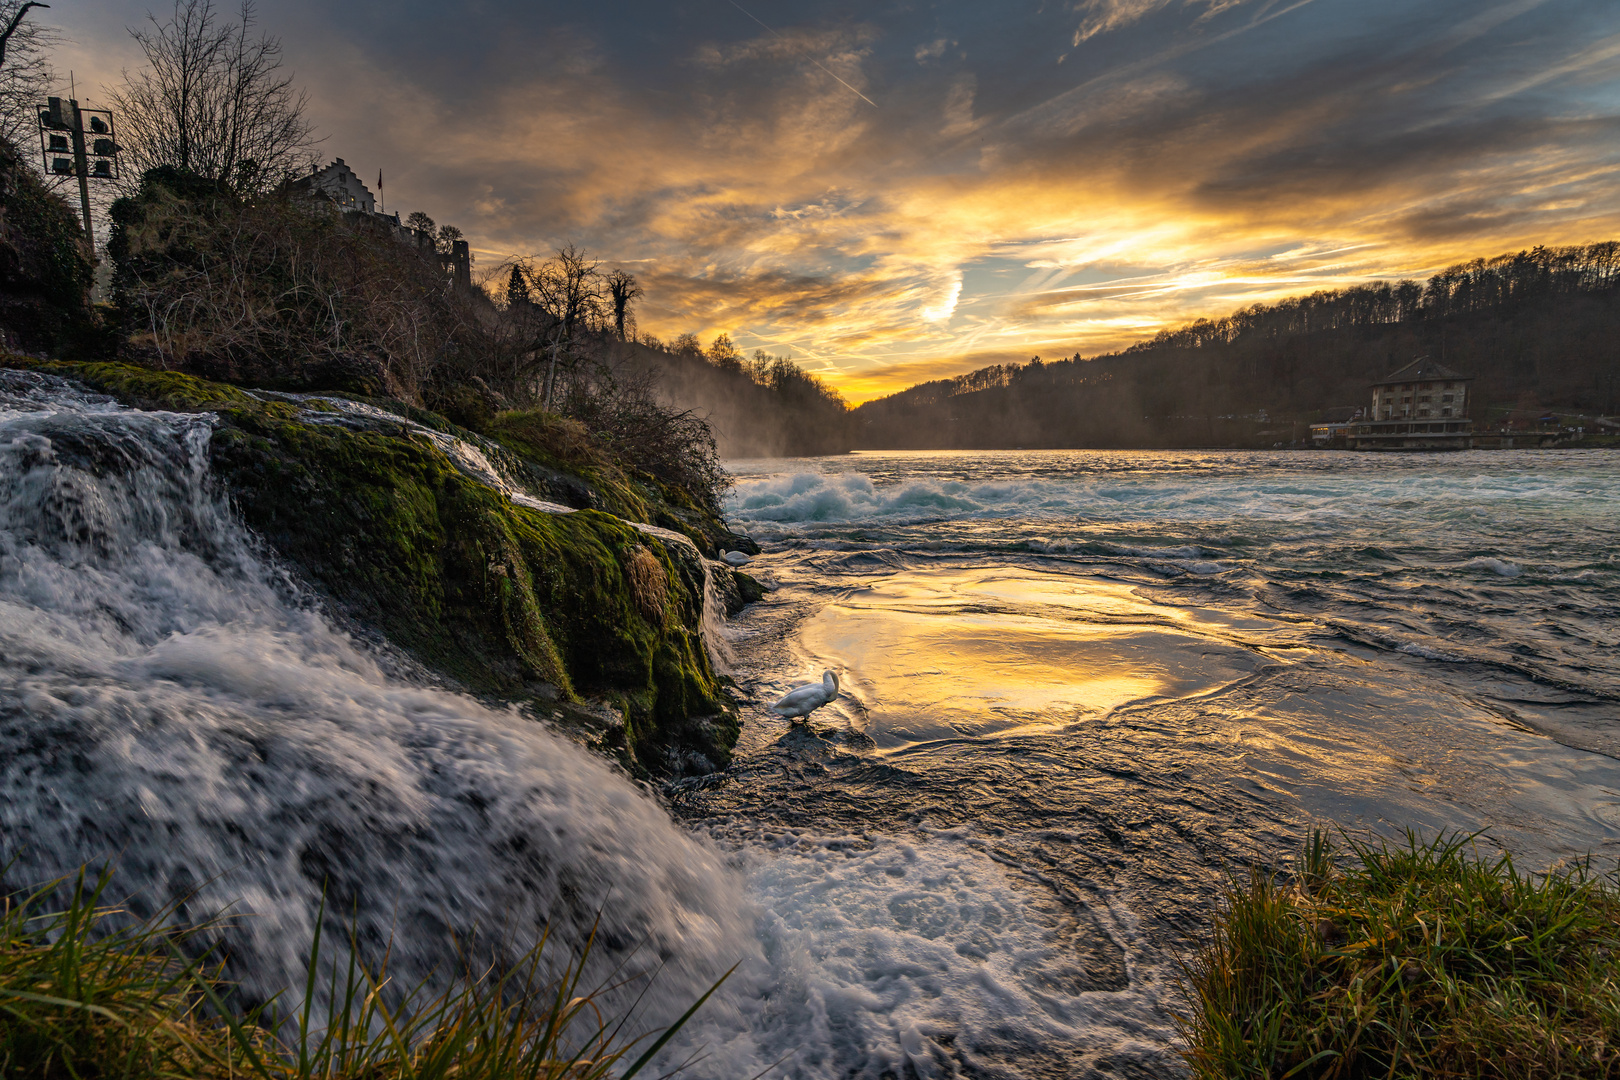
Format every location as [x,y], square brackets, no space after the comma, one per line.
[1539,329]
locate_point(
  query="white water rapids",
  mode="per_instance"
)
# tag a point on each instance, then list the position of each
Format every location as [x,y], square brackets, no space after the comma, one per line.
[167,706]
[172,705]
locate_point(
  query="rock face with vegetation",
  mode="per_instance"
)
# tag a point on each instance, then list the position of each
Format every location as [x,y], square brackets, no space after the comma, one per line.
[582,614]
[591,614]
[45,274]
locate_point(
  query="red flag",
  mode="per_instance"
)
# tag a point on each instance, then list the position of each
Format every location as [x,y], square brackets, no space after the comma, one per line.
[379,179]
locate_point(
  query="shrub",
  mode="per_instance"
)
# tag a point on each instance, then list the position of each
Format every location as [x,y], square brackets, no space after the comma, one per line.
[280,291]
[45,273]
[617,403]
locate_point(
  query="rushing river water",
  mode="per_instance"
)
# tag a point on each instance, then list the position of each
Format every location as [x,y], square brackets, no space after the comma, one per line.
[1079,687]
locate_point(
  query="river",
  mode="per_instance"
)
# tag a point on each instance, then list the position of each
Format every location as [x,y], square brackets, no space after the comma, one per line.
[1082,687]
[1079,689]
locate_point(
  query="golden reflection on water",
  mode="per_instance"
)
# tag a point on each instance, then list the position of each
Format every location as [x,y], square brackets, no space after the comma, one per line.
[1004,650]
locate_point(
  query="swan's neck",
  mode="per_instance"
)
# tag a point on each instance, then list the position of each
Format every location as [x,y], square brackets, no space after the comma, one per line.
[829,681]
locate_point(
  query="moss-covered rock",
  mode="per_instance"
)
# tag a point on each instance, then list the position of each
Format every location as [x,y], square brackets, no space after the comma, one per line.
[558,453]
[507,600]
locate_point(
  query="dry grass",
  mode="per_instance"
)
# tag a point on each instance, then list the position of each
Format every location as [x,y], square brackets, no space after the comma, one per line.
[649,584]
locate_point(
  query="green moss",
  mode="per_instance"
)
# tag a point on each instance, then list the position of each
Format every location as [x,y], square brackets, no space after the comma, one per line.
[150,389]
[507,600]
[752,591]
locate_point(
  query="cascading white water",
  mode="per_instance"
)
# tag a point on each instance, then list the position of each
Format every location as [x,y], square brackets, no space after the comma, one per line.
[167,706]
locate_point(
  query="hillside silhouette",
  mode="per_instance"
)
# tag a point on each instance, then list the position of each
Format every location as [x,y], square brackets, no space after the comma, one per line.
[1540,330]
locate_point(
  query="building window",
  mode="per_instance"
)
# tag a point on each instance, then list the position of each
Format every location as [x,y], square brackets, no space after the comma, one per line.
[1445,412]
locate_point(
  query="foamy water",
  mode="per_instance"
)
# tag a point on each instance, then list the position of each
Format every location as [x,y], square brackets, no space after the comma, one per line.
[168,705]
[1079,689]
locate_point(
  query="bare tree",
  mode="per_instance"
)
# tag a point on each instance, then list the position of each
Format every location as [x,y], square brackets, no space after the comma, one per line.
[569,287]
[622,288]
[278,289]
[214,101]
[12,23]
[25,74]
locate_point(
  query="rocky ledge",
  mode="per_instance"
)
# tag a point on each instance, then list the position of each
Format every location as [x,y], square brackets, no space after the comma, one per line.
[577,593]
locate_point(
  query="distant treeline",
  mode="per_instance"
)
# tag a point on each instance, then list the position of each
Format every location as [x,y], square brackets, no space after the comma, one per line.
[759,406]
[1539,329]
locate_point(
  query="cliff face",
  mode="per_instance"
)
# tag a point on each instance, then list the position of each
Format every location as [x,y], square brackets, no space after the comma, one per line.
[584,616]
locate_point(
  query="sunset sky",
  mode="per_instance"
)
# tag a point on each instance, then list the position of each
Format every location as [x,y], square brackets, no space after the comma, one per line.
[895,191]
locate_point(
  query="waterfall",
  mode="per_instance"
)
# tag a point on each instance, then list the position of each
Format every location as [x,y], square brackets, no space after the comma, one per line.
[169,704]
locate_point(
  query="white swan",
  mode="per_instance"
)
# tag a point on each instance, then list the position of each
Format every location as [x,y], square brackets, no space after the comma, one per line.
[804,700]
[733,558]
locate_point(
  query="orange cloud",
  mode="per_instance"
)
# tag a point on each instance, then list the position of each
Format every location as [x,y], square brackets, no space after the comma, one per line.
[1182,160]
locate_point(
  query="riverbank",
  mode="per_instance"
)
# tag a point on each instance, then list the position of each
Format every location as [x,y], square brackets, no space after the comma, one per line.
[1421,957]
[1078,689]
[1083,687]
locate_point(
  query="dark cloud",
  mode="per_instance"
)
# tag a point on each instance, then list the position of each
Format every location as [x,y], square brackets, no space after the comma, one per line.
[1031,178]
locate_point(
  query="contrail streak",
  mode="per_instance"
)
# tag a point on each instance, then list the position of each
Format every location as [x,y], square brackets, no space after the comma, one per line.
[806,55]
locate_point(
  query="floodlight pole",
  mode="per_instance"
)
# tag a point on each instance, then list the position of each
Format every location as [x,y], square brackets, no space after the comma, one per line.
[81,165]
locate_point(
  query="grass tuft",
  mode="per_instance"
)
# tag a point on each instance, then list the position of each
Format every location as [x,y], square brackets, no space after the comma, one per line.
[88,994]
[1418,959]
